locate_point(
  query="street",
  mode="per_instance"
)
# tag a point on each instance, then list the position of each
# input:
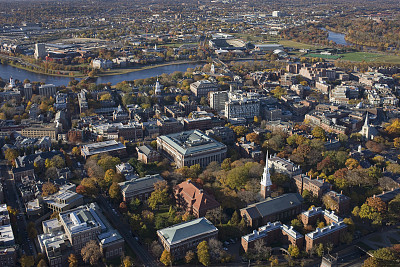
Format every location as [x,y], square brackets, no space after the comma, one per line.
[124,229]
[12,199]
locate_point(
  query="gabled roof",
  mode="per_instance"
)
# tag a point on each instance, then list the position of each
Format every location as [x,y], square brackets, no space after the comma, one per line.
[274,205]
[180,232]
[196,197]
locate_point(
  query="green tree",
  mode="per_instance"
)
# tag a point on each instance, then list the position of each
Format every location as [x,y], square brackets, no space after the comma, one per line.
[278,92]
[235,220]
[297,225]
[319,133]
[108,162]
[240,130]
[166,258]
[203,254]
[320,249]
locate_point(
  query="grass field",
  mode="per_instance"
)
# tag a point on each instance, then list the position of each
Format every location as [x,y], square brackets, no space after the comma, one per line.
[371,57]
[323,56]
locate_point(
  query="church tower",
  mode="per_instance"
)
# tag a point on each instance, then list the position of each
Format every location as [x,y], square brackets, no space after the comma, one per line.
[365,130]
[266,181]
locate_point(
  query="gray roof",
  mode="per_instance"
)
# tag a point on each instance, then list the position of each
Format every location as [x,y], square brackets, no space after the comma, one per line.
[180,232]
[191,142]
[274,205]
[138,185]
[145,149]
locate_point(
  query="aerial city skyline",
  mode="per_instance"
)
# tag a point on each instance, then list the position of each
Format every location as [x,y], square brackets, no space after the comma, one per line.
[199,133]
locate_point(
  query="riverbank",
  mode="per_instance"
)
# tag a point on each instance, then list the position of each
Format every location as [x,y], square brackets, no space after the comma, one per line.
[111,72]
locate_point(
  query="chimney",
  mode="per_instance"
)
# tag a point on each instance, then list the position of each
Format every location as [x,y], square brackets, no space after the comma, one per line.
[341,192]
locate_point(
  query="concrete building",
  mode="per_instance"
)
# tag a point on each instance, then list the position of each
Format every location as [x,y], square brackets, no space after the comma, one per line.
[40,51]
[193,199]
[223,134]
[242,108]
[74,229]
[40,130]
[48,90]
[8,253]
[191,147]
[283,207]
[27,91]
[111,147]
[218,99]
[180,238]
[140,188]
[203,87]
[99,63]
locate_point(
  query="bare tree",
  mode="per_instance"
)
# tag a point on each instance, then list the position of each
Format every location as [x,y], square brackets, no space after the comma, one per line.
[91,253]
[156,249]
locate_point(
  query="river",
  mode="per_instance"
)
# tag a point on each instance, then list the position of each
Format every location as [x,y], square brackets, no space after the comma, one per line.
[7,71]
[336,37]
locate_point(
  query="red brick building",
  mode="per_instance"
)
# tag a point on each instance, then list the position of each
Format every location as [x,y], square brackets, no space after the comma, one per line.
[193,199]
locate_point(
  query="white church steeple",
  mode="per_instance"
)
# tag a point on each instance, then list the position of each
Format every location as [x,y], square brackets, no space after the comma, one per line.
[266,182]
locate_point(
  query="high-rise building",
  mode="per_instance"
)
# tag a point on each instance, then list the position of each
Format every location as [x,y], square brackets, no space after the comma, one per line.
[40,51]
[47,90]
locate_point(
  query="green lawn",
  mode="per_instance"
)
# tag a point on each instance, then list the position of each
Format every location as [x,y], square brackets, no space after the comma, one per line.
[371,57]
[323,56]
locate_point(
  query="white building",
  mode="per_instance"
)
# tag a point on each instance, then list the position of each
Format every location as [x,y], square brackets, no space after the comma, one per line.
[218,99]
[99,63]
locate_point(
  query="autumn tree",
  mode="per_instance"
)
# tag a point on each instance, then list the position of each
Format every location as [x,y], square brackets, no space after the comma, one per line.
[166,258]
[128,262]
[203,254]
[393,128]
[159,195]
[294,251]
[319,133]
[10,155]
[91,253]
[27,261]
[189,257]
[72,260]
[115,191]
[49,189]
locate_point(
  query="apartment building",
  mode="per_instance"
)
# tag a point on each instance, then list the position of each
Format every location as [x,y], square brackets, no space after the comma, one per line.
[48,90]
[203,87]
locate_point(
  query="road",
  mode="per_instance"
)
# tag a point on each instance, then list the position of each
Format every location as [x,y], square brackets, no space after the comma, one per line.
[12,199]
[124,229]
